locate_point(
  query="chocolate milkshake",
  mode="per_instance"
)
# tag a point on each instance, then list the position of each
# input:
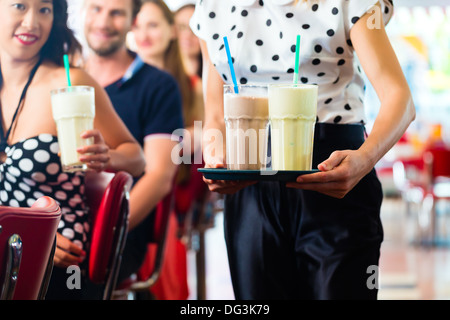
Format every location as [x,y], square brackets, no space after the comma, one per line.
[247,121]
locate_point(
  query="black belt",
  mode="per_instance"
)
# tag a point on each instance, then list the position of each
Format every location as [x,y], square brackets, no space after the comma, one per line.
[351,132]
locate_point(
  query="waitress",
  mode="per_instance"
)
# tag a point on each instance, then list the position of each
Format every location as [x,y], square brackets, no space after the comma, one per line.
[318,237]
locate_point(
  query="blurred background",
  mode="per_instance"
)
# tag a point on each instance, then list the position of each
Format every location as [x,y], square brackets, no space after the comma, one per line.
[415,261]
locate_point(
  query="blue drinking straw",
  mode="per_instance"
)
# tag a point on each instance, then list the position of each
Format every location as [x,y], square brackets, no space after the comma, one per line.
[230,62]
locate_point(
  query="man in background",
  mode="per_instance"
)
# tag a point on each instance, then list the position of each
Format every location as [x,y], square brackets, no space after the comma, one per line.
[148,101]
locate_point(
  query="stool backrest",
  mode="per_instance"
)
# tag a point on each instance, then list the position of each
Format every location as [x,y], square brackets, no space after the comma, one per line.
[27,242]
[107,196]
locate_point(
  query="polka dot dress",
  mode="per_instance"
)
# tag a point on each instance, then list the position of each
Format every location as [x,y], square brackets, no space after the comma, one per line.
[262,36]
[32,170]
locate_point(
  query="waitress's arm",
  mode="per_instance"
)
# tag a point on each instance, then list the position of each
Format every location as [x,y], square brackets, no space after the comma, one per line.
[383,70]
[344,169]
[214,116]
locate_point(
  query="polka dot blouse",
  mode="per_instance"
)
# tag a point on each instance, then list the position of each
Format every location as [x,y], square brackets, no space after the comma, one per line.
[32,170]
[262,36]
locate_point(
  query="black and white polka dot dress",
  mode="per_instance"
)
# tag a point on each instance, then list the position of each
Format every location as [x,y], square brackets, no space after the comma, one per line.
[262,37]
[32,170]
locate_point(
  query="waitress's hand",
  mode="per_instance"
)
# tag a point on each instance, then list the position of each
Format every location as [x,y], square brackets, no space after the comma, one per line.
[221,186]
[67,253]
[339,174]
[96,156]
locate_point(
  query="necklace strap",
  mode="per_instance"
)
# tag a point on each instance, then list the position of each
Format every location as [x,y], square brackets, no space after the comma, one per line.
[4,138]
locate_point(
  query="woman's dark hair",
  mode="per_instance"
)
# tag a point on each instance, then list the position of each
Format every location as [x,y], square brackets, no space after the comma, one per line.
[61,40]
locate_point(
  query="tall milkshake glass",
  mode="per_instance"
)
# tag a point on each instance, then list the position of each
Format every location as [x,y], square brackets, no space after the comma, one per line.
[293,114]
[247,120]
[73,111]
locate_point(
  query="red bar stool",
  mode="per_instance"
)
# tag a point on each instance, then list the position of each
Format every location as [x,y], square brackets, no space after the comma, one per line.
[27,247]
[108,198]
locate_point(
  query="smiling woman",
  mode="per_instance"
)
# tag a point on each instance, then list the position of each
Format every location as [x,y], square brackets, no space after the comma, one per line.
[33,41]
[155,34]
[30,26]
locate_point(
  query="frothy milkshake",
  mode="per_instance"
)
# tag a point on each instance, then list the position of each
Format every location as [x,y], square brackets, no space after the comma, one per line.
[293,113]
[246,119]
[74,112]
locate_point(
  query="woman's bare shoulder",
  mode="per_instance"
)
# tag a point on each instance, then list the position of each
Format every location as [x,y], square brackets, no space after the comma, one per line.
[57,76]
[81,78]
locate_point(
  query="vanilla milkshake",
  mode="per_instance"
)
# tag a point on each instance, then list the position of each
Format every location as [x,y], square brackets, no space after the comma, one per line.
[74,112]
[293,114]
[247,120]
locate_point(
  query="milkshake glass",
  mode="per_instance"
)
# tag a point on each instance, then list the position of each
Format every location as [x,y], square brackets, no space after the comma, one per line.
[293,114]
[73,111]
[247,124]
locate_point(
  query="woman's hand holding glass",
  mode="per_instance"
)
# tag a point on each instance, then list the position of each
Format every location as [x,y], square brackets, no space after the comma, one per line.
[96,156]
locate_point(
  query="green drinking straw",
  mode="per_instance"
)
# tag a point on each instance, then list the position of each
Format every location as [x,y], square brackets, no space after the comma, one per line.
[67,66]
[230,62]
[297,60]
